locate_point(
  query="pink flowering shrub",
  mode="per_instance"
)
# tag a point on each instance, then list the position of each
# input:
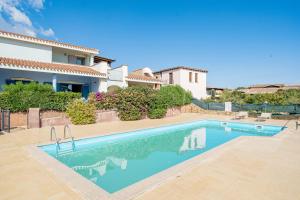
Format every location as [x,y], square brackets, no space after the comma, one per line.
[103,101]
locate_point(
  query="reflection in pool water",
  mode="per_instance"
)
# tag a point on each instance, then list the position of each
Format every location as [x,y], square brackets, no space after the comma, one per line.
[117,161]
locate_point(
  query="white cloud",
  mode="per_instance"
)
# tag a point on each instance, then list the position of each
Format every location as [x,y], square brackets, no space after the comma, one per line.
[36,4]
[18,16]
[49,32]
[17,28]
[13,17]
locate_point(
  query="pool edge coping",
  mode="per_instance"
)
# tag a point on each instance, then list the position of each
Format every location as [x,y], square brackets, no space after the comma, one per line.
[88,190]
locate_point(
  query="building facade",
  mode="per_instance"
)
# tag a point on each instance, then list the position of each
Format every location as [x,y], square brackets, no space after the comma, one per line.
[191,79]
[80,69]
[66,67]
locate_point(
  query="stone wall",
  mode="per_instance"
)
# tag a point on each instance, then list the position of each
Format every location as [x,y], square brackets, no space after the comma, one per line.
[192,108]
[171,112]
[18,119]
[55,118]
[106,115]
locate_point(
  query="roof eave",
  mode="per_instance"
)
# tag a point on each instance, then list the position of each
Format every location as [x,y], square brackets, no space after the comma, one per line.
[34,69]
[143,81]
[24,38]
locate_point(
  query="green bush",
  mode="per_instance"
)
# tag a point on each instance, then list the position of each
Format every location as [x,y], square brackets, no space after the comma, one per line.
[59,100]
[104,101]
[281,97]
[20,97]
[175,96]
[81,112]
[4,104]
[130,114]
[133,102]
[157,113]
[158,107]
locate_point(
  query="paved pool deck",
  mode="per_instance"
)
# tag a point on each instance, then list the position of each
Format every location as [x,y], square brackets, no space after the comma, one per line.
[253,168]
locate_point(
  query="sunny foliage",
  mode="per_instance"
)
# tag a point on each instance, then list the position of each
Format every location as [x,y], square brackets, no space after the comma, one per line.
[20,97]
[134,103]
[81,112]
[282,97]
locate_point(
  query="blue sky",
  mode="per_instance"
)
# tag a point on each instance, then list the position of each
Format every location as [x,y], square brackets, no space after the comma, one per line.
[238,42]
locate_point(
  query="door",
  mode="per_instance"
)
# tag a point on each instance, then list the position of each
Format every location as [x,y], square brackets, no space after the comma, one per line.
[85,91]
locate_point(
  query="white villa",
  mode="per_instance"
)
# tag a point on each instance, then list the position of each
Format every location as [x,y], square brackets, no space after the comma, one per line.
[191,79]
[119,77]
[74,68]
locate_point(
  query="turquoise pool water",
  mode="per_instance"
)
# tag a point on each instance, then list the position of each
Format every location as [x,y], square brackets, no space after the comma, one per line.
[117,161]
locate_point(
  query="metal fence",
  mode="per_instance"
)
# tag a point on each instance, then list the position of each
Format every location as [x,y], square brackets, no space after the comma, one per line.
[292,109]
[5,120]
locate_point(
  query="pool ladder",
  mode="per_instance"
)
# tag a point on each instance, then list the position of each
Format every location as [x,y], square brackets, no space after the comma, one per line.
[67,132]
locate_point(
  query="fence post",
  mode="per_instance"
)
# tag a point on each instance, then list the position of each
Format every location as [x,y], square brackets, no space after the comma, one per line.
[2,120]
[8,121]
[33,118]
[228,107]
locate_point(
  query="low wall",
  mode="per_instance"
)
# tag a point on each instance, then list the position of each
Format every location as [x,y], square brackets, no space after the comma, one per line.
[192,108]
[55,118]
[106,115]
[171,112]
[18,119]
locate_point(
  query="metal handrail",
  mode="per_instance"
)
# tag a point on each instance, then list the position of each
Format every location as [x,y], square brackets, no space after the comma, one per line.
[53,132]
[67,127]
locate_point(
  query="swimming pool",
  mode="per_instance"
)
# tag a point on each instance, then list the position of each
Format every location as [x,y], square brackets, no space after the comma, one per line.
[116,161]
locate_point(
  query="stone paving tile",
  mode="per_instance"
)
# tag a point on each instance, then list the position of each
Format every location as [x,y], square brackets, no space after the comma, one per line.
[257,168]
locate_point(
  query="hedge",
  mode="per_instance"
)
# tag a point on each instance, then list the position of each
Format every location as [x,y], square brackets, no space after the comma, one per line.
[173,96]
[133,103]
[20,97]
[81,112]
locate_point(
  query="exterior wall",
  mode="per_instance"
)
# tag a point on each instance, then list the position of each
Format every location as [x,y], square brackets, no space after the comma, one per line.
[96,84]
[181,77]
[102,67]
[117,76]
[198,89]
[24,50]
[176,77]
[61,55]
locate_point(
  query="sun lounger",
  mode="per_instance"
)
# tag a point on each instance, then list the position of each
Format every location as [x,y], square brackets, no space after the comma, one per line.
[241,115]
[297,124]
[264,117]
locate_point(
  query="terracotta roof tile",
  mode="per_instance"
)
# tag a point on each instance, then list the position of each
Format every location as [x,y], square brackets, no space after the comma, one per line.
[181,67]
[142,78]
[55,67]
[21,37]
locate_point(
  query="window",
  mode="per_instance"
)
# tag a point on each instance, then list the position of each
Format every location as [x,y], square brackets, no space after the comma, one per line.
[80,61]
[76,60]
[47,83]
[15,80]
[196,77]
[190,76]
[171,78]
